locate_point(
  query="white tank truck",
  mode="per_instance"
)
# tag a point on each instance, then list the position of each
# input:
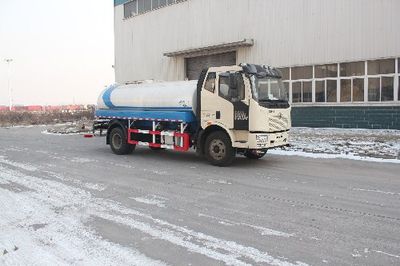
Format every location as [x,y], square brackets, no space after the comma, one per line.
[230,110]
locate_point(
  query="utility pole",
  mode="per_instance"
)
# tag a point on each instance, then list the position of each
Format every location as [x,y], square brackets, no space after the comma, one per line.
[8,61]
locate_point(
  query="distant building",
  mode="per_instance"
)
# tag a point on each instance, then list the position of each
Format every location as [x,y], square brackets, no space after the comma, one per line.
[18,108]
[34,108]
[339,58]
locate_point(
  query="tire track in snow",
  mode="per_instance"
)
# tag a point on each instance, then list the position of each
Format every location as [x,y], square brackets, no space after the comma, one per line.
[37,228]
[68,200]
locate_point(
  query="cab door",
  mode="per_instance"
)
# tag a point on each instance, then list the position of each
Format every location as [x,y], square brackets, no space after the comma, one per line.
[224,101]
[231,90]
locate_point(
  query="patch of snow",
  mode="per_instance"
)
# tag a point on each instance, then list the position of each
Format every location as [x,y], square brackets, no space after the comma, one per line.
[24,166]
[331,156]
[61,239]
[356,254]
[82,160]
[46,132]
[151,200]
[385,253]
[377,191]
[219,181]
[263,230]
[91,186]
[268,232]
[357,144]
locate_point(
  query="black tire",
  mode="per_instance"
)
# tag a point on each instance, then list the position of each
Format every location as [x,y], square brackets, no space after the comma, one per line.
[118,142]
[218,149]
[254,154]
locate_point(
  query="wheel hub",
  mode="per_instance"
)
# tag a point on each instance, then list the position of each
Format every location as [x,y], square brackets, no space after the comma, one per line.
[217,149]
[117,141]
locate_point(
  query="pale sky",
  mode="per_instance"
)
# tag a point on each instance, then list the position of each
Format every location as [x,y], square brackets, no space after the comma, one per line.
[63,50]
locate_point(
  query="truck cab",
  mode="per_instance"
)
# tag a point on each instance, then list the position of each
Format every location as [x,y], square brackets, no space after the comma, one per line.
[242,109]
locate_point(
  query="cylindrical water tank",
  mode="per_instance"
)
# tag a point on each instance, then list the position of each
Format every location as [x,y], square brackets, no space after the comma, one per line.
[148,96]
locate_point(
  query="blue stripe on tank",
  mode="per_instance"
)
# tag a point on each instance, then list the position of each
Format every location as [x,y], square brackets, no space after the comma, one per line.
[152,108]
[107,96]
[186,116]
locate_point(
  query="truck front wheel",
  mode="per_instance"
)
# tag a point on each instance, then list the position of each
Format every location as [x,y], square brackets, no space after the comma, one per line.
[218,149]
[118,142]
[254,154]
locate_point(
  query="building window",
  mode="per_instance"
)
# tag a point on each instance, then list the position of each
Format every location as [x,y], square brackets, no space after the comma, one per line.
[326,71]
[362,81]
[136,7]
[307,91]
[155,4]
[345,90]
[374,89]
[147,5]
[386,66]
[320,91]
[302,72]
[302,91]
[285,73]
[158,3]
[352,69]
[296,92]
[387,89]
[352,90]
[130,9]
[331,91]
[286,85]
[141,6]
[381,89]
[358,90]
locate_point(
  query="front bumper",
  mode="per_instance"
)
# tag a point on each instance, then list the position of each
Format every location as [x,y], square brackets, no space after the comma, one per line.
[268,140]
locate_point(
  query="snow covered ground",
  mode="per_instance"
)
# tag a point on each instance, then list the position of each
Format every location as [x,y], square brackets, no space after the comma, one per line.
[49,226]
[68,200]
[359,144]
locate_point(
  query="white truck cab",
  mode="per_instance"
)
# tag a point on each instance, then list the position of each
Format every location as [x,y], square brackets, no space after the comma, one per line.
[250,104]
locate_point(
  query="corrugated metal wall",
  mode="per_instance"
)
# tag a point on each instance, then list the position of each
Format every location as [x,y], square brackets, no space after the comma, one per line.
[286,33]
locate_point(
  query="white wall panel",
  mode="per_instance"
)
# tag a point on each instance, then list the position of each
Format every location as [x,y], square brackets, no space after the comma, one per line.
[286,33]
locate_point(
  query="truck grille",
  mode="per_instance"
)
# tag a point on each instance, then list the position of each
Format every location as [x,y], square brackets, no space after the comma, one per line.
[278,123]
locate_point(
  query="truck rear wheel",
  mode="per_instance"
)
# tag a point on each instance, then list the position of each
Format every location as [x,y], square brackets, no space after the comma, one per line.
[118,142]
[218,149]
[254,154]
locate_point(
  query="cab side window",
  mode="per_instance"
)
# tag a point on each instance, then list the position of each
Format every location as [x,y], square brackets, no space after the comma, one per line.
[231,86]
[224,87]
[240,87]
[210,82]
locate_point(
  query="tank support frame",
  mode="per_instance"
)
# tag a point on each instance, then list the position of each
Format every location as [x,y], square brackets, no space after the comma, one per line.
[180,140]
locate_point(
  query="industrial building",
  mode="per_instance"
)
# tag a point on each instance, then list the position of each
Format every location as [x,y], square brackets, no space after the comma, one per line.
[339,58]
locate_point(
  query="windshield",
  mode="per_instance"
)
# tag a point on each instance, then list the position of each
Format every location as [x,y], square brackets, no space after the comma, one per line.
[268,89]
